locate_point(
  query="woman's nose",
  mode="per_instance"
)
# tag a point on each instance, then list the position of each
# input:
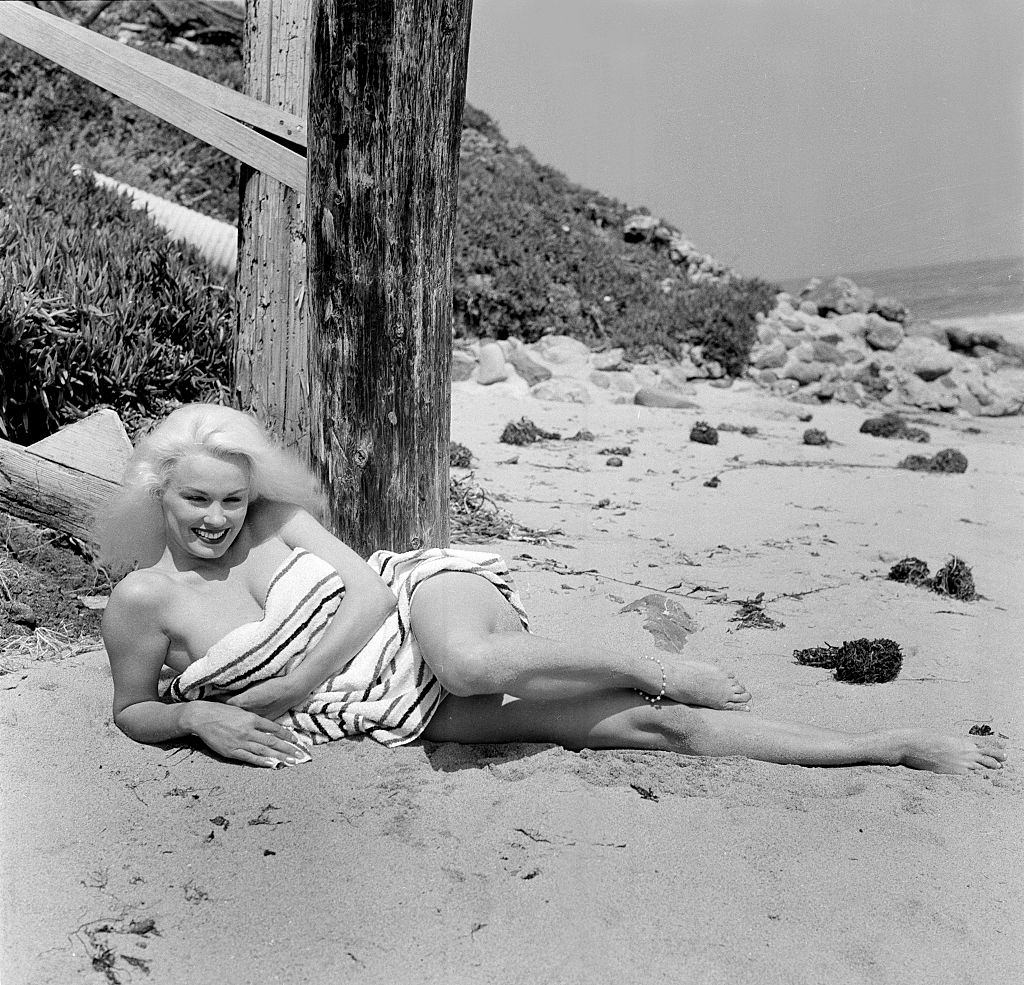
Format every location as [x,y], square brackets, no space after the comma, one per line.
[214,514]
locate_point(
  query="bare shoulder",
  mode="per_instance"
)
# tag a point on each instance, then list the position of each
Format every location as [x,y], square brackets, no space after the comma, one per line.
[268,520]
[139,595]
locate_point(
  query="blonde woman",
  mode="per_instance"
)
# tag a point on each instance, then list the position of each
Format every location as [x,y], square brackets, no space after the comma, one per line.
[277,636]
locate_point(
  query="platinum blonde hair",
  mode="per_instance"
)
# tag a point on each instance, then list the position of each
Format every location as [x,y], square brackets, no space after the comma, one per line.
[130,531]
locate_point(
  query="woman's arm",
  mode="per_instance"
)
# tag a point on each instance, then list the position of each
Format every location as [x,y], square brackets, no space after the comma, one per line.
[136,647]
[366,605]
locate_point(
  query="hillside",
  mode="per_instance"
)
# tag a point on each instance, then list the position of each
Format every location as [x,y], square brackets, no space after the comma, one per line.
[535,253]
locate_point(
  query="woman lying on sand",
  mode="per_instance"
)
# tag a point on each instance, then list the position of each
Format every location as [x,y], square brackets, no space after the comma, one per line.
[280,636]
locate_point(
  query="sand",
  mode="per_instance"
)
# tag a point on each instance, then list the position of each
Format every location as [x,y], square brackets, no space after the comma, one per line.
[529,863]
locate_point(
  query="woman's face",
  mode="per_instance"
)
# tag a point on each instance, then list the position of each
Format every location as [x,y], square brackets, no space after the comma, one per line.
[205,504]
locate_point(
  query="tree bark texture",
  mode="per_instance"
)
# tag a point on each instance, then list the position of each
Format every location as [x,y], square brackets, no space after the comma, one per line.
[387,88]
[271,344]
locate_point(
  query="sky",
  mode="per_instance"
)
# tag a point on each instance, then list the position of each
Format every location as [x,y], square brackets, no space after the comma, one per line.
[784,137]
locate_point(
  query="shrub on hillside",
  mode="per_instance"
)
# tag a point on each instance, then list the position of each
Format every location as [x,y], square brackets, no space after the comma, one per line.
[96,305]
[113,136]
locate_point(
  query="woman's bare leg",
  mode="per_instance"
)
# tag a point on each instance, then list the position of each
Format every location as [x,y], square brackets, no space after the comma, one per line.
[473,641]
[622,720]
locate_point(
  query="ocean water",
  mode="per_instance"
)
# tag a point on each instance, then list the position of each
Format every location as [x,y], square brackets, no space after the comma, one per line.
[968,289]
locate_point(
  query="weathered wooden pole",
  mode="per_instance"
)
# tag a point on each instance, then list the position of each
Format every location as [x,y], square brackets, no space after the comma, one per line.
[387,86]
[271,344]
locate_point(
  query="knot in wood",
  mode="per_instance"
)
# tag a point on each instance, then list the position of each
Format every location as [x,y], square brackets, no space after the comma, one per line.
[392,418]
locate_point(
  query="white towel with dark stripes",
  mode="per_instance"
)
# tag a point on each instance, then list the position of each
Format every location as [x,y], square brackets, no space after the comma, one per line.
[386,691]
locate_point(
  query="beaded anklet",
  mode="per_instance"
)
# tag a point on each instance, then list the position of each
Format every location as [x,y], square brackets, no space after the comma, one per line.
[654,700]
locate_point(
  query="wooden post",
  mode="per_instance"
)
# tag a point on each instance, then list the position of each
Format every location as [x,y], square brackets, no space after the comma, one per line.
[387,88]
[271,343]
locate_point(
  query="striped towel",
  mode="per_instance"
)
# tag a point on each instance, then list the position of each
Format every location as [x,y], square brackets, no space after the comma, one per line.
[386,691]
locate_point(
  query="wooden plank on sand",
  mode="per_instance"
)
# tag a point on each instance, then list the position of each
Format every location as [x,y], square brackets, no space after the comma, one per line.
[179,97]
[63,480]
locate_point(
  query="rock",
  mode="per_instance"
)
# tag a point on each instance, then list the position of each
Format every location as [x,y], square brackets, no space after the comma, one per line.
[491,368]
[21,614]
[808,307]
[618,382]
[608,361]
[614,461]
[638,227]
[651,397]
[526,366]
[815,436]
[767,332]
[926,358]
[882,334]
[560,349]
[826,352]
[463,365]
[772,357]
[790,340]
[680,249]
[562,389]
[840,295]
[926,330]
[802,372]
[890,309]
[854,324]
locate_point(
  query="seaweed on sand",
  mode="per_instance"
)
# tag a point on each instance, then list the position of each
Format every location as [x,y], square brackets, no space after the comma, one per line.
[703,433]
[861,661]
[910,571]
[954,578]
[459,456]
[947,460]
[751,615]
[525,432]
[815,436]
[891,425]
[474,516]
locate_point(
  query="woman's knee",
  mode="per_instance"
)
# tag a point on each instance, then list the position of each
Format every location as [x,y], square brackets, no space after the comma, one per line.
[466,666]
[667,725]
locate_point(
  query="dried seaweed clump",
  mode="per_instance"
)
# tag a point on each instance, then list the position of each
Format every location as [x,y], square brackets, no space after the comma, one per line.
[751,615]
[459,456]
[860,661]
[815,436]
[704,433]
[947,460]
[524,432]
[475,517]
[891,425]
[954,578]
[910,571]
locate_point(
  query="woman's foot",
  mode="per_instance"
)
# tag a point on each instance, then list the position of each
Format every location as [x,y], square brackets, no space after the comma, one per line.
[704,685]
[921,749]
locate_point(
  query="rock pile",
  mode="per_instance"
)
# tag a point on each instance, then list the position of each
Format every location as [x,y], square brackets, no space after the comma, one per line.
[700,267]
[837,342]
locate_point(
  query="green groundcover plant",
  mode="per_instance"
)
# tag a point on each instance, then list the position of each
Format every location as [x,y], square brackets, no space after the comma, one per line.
[97,308]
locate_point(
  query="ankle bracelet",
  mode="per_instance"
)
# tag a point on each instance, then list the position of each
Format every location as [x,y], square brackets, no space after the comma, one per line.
[654,700]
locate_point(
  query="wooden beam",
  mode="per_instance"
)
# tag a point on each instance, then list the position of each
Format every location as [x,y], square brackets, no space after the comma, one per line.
[181,98]
[62,481]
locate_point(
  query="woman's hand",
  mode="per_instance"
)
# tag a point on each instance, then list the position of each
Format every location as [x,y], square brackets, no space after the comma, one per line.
[243,735]
[269,699]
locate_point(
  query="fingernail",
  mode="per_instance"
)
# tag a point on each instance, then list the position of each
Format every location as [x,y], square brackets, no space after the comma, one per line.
[290,760]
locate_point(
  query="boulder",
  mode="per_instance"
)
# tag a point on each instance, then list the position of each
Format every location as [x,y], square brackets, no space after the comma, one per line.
[562,390]
[920,329]
[826,352]
[650,397]
[808,307]
[491,368]
[855,324]
[615,382]
[840,295]
[890,309]
[925,358]
[610,360]
[882,334]
[767,332]
[561,349]
[772,357]
[803,372]
[463,365]
[637,228]
[526,366]
[680,249]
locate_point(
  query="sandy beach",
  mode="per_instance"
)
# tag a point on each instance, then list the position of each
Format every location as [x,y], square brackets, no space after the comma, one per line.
[529,863]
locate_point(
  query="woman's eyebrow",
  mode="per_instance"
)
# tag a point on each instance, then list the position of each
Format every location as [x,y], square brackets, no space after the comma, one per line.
[202,492]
